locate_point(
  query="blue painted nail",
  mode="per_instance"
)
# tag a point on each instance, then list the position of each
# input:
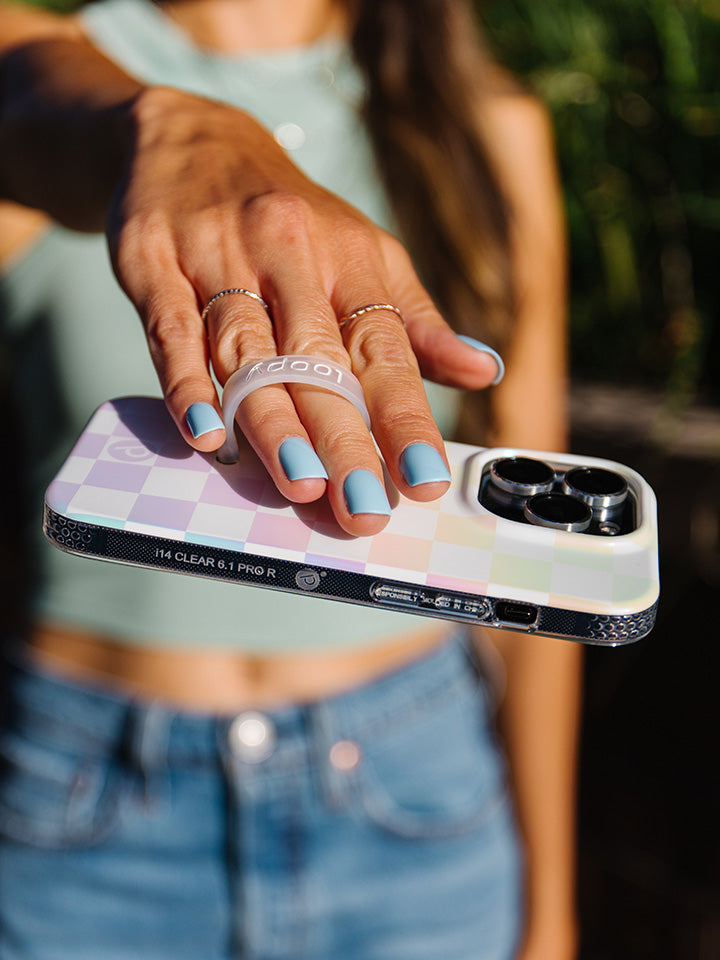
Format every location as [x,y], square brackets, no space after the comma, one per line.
[202,418]
[484,348]
[299,460]
[365,494]
[421,463]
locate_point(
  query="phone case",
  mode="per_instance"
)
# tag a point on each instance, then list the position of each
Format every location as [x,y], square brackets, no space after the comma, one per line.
[132,491]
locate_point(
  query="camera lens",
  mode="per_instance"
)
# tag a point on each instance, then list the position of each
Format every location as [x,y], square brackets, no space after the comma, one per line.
[599,488]
[521,476]
[559,512]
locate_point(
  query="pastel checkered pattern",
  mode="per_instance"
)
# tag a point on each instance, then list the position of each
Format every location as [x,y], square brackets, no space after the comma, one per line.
[131,470]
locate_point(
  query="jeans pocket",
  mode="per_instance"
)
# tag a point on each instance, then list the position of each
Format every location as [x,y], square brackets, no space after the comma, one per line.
[54,798]
[437,775]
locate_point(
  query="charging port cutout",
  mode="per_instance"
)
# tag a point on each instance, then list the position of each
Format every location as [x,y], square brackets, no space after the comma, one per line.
[517,614]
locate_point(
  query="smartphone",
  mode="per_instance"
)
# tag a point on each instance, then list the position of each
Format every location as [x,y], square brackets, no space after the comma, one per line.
[547,543]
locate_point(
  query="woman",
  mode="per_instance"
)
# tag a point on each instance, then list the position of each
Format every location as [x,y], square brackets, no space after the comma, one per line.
[233,771]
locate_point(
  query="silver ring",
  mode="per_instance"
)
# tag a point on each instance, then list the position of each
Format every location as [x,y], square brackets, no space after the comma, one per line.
[226,293]
[368,309]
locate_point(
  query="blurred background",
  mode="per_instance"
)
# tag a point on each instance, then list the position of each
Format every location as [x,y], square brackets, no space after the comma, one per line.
[634,89]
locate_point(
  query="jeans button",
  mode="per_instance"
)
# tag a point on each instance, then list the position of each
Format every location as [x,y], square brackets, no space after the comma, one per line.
[252,737]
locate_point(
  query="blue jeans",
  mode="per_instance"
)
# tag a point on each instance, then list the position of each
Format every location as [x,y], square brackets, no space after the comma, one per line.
[375,825]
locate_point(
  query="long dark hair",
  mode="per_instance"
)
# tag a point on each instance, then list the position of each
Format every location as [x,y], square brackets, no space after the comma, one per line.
[426,76]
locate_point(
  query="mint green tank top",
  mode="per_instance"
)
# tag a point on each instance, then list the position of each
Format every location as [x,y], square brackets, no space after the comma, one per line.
[74,341]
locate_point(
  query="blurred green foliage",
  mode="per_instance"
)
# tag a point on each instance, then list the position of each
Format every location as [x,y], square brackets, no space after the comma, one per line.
[62,6]
[634,88]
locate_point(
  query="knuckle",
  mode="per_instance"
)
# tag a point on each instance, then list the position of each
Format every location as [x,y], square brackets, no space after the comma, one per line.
[242,335]
[360,234]
[167,325]
[172,339]
[144,254]
[381,345]
[270,408]
[212,228]
[393,247]
[402,418]
[142,232]
[313,343]
[279,211]
[183,388]
[343,444]
[394,253]
[360,250]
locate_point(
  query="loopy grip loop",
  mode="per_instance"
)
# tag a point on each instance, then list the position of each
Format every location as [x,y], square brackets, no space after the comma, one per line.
[292,368]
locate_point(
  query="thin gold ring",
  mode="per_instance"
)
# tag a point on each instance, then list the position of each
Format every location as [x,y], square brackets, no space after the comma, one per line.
[368,309]
[226,293]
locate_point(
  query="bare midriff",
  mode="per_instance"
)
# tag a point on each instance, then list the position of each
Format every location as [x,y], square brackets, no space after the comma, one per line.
[221,680]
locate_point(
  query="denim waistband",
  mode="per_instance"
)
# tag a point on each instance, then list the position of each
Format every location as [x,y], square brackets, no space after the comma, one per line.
[154,733]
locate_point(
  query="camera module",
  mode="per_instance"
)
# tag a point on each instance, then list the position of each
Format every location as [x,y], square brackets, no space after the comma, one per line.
[582,499]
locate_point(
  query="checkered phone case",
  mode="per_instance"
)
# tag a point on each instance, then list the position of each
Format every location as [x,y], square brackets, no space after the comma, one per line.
[132,491]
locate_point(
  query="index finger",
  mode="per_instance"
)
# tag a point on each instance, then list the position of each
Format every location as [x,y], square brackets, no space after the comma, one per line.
[178,347]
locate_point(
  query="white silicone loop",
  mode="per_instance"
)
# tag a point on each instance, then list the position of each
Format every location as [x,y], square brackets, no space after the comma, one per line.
[293,368]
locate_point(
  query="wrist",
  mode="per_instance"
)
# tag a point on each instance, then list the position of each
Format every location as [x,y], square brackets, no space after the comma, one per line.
[183,135]
[160,115]
[550,938]
[65,109]
[551,918]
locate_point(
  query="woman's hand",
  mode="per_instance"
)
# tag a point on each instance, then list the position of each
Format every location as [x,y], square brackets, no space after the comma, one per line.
[199,198]
[209,201]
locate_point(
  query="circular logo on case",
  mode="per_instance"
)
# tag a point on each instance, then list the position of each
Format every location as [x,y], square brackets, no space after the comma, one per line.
[307,579]
[128,451]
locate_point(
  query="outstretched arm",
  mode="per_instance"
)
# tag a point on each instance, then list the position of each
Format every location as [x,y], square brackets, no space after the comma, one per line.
[197,197]
[539,713]
[65,116]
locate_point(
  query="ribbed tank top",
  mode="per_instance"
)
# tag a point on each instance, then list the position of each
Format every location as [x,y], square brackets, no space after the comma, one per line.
[73,341]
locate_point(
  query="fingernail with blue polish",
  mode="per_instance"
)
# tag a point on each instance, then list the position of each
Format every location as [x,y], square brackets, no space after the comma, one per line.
[299,460]
[365,494]
[202,418]
[421,463]
[484,348]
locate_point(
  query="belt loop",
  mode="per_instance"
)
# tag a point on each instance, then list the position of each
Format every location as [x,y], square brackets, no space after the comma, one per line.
[147,742]
[488,666]
[334,785]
